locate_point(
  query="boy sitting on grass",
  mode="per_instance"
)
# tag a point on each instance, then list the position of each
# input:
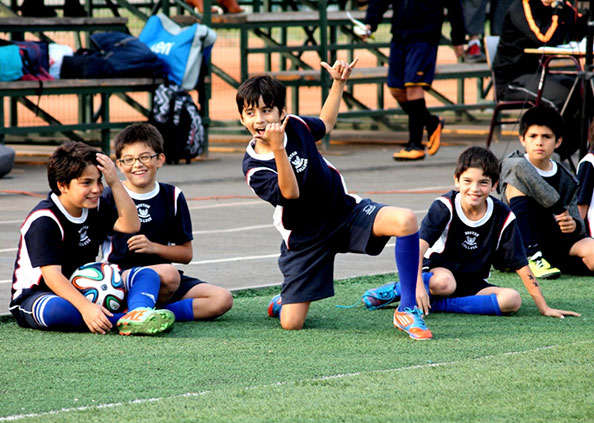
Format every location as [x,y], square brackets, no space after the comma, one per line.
[314,213]
[464,232]
[165,234]
[62,233]
[542,194]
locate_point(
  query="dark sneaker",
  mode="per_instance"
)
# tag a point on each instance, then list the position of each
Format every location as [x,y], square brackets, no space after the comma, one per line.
[474,54]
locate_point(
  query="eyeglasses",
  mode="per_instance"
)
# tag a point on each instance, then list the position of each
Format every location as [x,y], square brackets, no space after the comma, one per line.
[143,158]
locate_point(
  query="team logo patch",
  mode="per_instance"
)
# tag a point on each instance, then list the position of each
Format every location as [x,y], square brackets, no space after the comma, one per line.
[84,237]
[470,242]
[144,212]
[368,209]
[298,163]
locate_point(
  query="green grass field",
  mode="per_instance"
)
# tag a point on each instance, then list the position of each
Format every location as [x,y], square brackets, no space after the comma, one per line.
[348,365]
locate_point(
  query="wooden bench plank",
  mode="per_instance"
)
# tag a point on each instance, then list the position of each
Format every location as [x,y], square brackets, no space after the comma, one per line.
[288,18]
[26,24]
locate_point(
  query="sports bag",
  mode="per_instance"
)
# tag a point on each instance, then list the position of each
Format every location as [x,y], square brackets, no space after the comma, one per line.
[35,57]
[116,55]
[11,64]
[182,49]
[176,116]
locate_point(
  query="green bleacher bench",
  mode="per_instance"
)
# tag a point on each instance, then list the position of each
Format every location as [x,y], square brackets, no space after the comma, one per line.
[87,88]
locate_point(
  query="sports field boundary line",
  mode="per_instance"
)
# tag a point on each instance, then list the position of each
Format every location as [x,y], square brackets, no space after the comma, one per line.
[16,417]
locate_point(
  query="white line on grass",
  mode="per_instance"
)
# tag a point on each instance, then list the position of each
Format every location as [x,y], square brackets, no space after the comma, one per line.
[6,222]
[240,229]
[272,385]
[214,206]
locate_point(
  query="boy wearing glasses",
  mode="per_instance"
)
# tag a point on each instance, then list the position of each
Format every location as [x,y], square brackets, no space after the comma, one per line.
[165,234]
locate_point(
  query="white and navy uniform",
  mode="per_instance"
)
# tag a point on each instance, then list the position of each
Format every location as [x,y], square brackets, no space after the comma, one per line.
[323,221]
[585,175]
[164,219]
[51,236]
[468,248]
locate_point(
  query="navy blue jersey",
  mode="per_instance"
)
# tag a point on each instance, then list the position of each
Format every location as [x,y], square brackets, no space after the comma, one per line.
[51,236]
[585,175]
[323,198]
[470,247]
[164,219]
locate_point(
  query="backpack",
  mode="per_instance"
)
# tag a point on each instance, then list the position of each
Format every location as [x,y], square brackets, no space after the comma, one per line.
[11,64]
[35,57]
[117,55]
[183,49]
[176,116]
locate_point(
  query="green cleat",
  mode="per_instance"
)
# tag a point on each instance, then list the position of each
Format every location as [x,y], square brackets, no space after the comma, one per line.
[145,321]
[541,268]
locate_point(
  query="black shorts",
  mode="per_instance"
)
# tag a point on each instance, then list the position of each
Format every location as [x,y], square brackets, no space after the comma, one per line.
[309,272]
[186,283]
[467,286]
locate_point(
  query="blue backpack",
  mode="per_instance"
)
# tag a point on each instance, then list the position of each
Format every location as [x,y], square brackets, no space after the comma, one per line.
[11,64]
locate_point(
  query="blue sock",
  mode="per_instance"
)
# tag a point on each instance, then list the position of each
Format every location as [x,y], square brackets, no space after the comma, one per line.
[143,287]
[474,304]
[183,310]
[407,262]
[55,312]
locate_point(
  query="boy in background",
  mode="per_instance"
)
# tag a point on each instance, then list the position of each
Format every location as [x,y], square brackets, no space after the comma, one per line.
[585,195]
[314,213]
[165,234]
[542,194]
[465,232]
[416,32]
[62,233]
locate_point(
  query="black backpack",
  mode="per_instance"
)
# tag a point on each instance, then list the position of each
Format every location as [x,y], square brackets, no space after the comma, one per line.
[176,116]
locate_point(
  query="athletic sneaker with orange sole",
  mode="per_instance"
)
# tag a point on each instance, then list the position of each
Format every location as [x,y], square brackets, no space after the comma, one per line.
[411,322]
[407,155]
[435,137]
[145,321]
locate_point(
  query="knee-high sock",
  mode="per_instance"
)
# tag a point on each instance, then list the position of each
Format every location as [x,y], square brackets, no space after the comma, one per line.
[407,262]
[426,277]
[55,312]
[143,287]
[474,304]
[416,123]
[183,310]
[526,223]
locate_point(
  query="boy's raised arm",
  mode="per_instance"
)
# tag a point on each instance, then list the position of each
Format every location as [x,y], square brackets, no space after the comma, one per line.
[128,221]
[340,73]
[535,292]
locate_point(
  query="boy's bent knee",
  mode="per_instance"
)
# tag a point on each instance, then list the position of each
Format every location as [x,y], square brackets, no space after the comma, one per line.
[293,316]
[509,301]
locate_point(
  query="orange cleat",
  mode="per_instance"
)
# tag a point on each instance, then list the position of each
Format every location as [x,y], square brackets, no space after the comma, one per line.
[406,155]
[411,322]
[435,137]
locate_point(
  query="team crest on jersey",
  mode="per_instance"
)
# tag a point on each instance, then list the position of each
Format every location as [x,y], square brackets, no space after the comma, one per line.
[84,237]
[298,163]
[144,213]
[368,209]
[470,242]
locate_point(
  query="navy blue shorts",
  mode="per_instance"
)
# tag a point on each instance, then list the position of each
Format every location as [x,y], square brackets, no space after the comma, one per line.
[186,283]
[309,272]
[23,313]
[411,64]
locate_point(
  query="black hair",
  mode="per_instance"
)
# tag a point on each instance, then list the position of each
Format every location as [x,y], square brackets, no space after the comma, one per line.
[68,162]
[272,91]
[139,132]
[479,158]
[542,116]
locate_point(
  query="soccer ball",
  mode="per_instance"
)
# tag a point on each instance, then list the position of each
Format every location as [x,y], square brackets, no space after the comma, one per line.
[100,283]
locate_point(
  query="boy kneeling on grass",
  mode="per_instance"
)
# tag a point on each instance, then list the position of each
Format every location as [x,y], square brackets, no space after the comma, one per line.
[314,212]
[464,232]
[62,233]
